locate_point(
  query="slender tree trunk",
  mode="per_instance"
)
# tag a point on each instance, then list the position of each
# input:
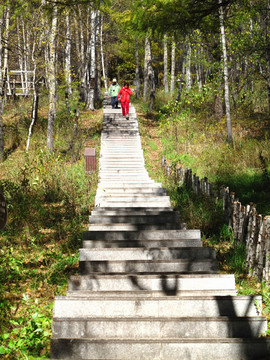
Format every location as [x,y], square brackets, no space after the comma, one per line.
[166,82]
[173,67]
[4,36]
[35,99]
[188,67]
[147,60]
[98,60]
[52,81]
[226,74]
[152,86]
[138,82]
[25,56]
[92,74]
[267,53]
[79,36]
[198,68]
[1,85]
[102,55]
[68,90]
[20,55]
[85,73]
[6,43]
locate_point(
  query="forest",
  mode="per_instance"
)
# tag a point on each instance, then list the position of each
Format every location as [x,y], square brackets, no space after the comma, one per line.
[200,71]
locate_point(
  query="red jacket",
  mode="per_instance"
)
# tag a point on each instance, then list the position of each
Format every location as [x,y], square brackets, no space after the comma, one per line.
[123,94]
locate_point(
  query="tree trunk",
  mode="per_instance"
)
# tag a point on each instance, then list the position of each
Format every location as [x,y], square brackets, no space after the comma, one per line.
[138,82]
[173,68]
[25,56]
[80,52]
[188,67]
[226,75]
[4,37]
[102,55]
[91,95]
[166,82]
[98,60]
[1,88]
[199,67]
[20,55]
[35,98]
[147,60]
[86,59]
[152,86]
[68,90]
[52,81]
[267,54]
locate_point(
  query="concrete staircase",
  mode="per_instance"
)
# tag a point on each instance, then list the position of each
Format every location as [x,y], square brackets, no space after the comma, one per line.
[147,288]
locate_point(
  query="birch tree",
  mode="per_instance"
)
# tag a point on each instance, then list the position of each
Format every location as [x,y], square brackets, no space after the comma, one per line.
[188,66]
[165,58]
[225,74]
[1,85]
[102,55]
[52,80]
[172,67]
[4,37]
[36,45]
[92,74]
[147,60]
[68,90]
[138,81]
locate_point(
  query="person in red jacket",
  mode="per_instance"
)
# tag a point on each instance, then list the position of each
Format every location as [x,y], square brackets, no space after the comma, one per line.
[124,96]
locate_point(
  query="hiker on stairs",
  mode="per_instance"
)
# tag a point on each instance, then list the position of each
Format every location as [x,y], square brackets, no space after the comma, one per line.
[113,93]
[124,96]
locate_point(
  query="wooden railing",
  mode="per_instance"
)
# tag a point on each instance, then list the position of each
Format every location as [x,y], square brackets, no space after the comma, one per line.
[249,227]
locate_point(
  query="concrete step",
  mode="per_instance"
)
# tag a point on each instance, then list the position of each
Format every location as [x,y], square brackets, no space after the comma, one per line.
[159,328]
[119,144]
[137,198]
[122,163]
[179,266]
[89,294]
[140,306]
[117,204]
[134,219]
[148,191]
[132,227]
[125,159]
[129,254]
[143,235]
[123,133]
[156,349]
[122,166]
[127,183]
[135,186]
[97,211]
[123,174]
[148,244]
[118,140]
[167,283]
[132,125]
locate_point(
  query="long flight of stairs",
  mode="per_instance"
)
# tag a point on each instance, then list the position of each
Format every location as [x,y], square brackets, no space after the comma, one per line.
[147,288]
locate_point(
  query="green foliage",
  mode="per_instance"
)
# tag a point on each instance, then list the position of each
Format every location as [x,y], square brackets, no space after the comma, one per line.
[49,198]
[30,332]
[192,136]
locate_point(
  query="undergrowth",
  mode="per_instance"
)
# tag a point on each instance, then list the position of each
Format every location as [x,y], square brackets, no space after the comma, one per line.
[190,133]
[49,198]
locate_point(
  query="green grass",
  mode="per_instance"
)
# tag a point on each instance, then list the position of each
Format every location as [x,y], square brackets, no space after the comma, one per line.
[49,199]
[192,136]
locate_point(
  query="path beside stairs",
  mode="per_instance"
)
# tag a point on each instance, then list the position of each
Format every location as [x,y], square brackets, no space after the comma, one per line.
[147,288]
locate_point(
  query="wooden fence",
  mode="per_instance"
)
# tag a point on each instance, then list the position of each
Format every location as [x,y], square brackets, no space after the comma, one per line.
[249,227]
